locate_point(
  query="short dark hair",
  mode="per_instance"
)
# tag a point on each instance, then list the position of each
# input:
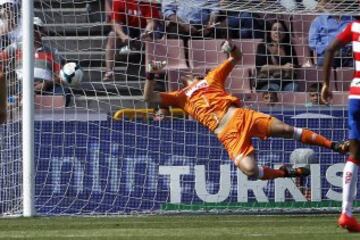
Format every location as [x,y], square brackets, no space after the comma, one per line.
[315,87]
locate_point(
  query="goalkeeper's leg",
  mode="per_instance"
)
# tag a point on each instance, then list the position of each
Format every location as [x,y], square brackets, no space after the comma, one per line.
[248,165]
[278,128]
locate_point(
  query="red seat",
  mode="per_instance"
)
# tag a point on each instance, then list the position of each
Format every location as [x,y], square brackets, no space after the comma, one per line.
[169,50]
[302,50]
[301,25]
[313,75]
[292,98]
[49,102]
[344,76]
[207,53]
[204,53]
[248,48]
[339,99]
[239,80]
[174,79]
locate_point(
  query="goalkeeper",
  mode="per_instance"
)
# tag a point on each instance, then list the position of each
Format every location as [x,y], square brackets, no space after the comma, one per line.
[207,101]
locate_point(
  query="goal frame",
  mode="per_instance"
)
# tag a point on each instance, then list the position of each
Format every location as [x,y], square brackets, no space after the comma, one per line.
[28,180]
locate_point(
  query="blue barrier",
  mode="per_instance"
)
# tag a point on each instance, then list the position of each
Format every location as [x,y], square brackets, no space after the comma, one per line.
[126,166]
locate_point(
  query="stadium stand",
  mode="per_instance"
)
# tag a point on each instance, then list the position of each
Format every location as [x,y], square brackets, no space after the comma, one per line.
[49,102]
[343,78]
[205,53]
[78,30]
[171,51]
[310,75]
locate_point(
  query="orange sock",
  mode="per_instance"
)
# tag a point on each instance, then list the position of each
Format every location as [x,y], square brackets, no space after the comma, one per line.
[311,138]
[269,173]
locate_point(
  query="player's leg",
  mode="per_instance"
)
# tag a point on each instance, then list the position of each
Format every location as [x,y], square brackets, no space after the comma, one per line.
[248,165]
[350,172]
[278,128]
[241,150]
[110,54]
[236,138]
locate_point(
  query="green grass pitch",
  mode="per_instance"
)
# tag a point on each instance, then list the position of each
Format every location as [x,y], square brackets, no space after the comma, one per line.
[219,227]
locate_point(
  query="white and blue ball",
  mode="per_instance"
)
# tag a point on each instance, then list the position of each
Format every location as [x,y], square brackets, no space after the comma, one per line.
[71,74]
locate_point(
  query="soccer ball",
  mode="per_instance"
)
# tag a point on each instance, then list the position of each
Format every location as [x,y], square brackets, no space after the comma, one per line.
[71,74]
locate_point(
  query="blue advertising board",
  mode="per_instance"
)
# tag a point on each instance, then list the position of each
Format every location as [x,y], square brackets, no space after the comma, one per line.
[108,167]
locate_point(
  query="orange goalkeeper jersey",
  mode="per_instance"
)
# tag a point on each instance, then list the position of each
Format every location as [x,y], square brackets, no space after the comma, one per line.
[204,100]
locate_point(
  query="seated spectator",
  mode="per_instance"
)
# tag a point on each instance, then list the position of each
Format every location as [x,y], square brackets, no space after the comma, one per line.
[321,6]
[323,31]
[47,64]
[235,24]
[314,91]
[190,18]
[270,98]
[293,4]
[130,20]
[276,60]
[160,114]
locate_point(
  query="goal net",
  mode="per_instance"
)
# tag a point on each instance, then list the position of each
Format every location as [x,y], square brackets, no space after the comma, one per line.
[10,115]
[100,149]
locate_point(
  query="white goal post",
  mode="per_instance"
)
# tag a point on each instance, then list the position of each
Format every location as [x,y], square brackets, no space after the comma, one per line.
[28,109]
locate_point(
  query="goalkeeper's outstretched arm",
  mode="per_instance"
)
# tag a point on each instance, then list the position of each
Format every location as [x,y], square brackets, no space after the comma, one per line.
[233,52]
[150,96]
[235,55]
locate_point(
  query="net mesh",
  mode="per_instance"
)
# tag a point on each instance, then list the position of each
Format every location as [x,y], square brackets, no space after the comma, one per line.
[10,128]
[295,6]
[100,150]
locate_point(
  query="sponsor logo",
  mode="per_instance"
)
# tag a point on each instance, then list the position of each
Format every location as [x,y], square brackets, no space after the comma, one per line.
[355,82]
[209,186]
[200,85]
[348,177]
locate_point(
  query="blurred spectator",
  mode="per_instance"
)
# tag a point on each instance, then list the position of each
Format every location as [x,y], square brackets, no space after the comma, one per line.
[235,24]
[276,60]
[190,18]
[326,5]
[47,63]
[323,31]
[293,4]
[244,25]
[160,114]
[108,8]
[10,26]
[270,98]
[314,95]
[131,20]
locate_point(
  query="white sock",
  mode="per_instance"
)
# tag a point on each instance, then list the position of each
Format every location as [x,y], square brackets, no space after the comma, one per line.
[349,186]
[297,133]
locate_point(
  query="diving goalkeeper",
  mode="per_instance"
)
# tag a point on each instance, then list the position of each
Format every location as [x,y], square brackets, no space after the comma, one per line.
[206,101]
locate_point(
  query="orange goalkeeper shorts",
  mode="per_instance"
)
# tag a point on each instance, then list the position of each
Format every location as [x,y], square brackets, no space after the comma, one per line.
[237,134]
